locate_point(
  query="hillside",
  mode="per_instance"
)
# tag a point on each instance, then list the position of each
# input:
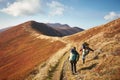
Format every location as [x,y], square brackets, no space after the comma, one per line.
[22,48]
[65,29]
[104,62]
[28,53]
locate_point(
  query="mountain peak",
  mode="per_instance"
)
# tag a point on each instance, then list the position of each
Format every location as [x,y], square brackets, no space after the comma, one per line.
[42,28]
[31,22]
[58,25]
[65,29]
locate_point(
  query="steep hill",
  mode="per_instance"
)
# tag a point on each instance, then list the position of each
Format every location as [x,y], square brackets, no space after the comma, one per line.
[22,48]
[104,62]
[64,28]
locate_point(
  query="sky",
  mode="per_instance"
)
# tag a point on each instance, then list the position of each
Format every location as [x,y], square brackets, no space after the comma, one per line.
[81,13]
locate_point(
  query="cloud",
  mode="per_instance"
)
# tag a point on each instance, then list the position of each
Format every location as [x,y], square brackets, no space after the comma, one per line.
[56,8]
[23,7]
[112,16]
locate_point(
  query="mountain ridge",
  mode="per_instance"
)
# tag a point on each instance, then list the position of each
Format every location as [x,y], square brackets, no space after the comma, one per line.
[65,28]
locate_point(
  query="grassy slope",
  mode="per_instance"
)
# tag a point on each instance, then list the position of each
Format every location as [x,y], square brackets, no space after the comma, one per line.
[21,51]
[104,63]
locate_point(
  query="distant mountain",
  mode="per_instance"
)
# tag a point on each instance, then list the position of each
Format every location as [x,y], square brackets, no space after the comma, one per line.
[50,29]
[1,30]
[43,28]
[64,28]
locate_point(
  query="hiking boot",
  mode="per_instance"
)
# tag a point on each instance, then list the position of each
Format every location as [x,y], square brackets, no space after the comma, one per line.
[75,73]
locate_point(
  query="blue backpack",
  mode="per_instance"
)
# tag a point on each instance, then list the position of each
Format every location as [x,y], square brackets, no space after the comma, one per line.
[74,56]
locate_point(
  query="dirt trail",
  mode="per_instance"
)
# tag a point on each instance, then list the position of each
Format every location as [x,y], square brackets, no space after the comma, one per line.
[66,72]
[63,71]
[57,75]
[82,69]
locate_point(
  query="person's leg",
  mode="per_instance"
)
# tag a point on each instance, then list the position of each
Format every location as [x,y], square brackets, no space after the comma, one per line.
[75,67]
[72,66]
[83,58]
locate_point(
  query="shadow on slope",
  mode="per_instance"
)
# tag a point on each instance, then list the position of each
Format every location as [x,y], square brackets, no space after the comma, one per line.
[89,67]
[43,28]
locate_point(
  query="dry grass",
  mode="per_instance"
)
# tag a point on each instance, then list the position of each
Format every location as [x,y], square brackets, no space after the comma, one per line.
[20,52]
[104,62]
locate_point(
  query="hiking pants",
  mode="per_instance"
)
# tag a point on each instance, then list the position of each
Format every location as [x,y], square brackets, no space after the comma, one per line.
[73,66]
[84,54]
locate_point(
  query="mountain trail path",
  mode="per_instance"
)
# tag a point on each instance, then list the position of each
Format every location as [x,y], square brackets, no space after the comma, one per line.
[63,70]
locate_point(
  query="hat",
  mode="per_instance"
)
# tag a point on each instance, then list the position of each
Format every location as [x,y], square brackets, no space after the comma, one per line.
[85,43]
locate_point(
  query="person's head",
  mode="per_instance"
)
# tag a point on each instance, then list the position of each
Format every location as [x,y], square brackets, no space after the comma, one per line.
[86,44]
[74,48]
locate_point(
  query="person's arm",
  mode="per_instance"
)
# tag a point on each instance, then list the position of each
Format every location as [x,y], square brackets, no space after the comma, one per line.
[80,51]
[90,49]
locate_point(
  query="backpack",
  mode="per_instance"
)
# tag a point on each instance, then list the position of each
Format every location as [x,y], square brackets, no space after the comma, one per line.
[84,45]
[74,55]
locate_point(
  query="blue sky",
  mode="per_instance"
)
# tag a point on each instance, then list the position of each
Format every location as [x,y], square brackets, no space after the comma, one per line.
[81,13]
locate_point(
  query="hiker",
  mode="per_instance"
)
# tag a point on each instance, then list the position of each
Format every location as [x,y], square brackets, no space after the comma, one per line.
[85,50]
[73,58]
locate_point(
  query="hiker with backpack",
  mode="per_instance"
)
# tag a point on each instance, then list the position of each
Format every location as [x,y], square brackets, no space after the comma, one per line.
[73,58]
[85,50]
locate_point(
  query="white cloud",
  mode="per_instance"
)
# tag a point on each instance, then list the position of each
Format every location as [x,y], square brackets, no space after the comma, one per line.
[111,16]
[56,8]
[23,7]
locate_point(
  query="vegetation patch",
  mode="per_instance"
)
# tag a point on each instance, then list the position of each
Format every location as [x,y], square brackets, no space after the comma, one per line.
[51,71]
